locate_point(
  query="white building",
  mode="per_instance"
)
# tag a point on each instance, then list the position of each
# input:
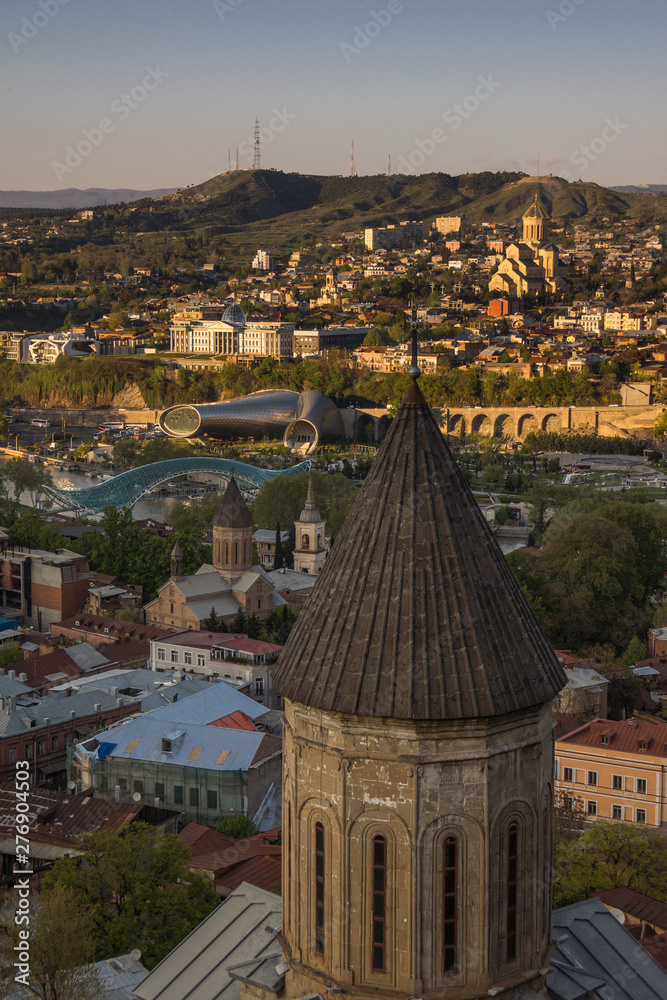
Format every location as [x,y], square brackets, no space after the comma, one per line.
[263,261]
[244,663]
[46,348]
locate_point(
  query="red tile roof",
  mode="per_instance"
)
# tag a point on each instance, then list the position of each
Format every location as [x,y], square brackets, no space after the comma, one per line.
[264,871]
[204,840]
[624,736]
[116,627]
[566,724]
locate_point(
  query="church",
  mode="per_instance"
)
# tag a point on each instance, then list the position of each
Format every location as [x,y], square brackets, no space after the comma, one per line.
[229,584]
[533,265]
[418,770]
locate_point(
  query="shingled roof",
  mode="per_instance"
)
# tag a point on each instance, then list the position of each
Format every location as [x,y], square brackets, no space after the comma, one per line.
[232,511]
[416,614]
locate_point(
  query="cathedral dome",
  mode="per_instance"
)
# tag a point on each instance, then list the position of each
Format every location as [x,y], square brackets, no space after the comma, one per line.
[536,211]
[234,315]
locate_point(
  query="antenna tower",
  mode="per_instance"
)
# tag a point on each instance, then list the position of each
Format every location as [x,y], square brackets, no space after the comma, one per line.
[229,158]
[256,161]
[353,169]
[389,165]
[237,159]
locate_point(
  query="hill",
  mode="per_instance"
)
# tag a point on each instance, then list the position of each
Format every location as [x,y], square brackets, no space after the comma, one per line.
[75,197]
[279,210]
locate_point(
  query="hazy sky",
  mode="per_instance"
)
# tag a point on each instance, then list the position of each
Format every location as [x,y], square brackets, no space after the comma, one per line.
[152,93]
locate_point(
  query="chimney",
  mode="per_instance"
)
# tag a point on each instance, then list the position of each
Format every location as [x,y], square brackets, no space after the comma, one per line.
[12,675]
[23,678]
[47,721]
[97,708]
[72,714]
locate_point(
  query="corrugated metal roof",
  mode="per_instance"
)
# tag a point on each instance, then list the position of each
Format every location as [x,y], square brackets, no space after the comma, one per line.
[86,656]
[637,904]
[595,957]
[263,871]
[216,701]
[233,934]
[202,584]
[144,736]
[225,605]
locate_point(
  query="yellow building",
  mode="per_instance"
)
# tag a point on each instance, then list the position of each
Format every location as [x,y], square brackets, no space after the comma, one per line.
[533,265]
[618,769]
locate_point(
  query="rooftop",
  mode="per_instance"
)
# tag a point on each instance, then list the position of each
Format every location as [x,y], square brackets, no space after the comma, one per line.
[644,737]
[431,623]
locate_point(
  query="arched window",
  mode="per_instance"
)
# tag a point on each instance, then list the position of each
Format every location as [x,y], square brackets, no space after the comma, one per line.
[227,552]
[319,889]
[236,553]
[379,911]
[512,887]
[449,904]
[305,542]
[259,603]
[245,551]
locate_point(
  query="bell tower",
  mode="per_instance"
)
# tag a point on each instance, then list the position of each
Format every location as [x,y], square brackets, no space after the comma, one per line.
[418,748]
[309,553]
[533,222]
[232,534]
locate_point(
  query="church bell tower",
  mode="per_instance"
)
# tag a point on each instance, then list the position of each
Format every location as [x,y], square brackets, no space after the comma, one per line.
[232,534]
[418,748]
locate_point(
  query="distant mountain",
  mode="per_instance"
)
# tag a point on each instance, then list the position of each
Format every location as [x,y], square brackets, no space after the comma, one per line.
[641,188]
[76,198]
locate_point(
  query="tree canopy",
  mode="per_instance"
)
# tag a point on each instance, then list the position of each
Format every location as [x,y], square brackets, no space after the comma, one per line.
[138,890]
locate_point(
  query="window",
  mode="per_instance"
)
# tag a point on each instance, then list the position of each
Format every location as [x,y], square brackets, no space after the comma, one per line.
[616,812]
[139,787]
[211,798]
[305,542]
[379,911]
[604,740]
[122,784]
[201,660]
[259,685]
[512,886]
[319,889]
[592,808]
[171,608]
[12,755]
[41,747]
[643,745]
[174,656]
[54,742]
[616,781]
[641,786]
[159,789]
[160,654]
[178,795]
[568,774]
[449,904]
[194,797]
[28,751]
[641,815]
[592,777]
[187,658]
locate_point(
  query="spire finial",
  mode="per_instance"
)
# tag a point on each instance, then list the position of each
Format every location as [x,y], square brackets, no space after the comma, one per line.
[414,371]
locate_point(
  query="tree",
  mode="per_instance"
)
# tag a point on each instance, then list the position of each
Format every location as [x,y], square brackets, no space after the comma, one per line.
[282,499]
[10,652]
[28,477]
[610,855]
[253,626]
[61,952]
[239,623]
[127,453]
[238,826]
[212,623]
[137,888]
[636,650]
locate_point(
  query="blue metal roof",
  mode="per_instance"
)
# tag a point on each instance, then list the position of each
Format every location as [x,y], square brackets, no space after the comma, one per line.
[124,490]
[216,701]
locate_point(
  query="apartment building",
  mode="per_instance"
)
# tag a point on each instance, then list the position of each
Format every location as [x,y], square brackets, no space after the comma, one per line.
[617,769]
[39,587]
[446,224]
[268,340]
[394,236]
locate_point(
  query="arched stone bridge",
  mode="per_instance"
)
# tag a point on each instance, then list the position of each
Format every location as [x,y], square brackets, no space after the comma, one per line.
[515,423]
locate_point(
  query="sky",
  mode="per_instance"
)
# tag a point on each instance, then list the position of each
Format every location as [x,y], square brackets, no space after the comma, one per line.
[155,93]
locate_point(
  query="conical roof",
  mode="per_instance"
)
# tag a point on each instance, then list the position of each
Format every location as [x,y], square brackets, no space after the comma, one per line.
[310,513]
[232,511]
[416,614]
[536,211]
